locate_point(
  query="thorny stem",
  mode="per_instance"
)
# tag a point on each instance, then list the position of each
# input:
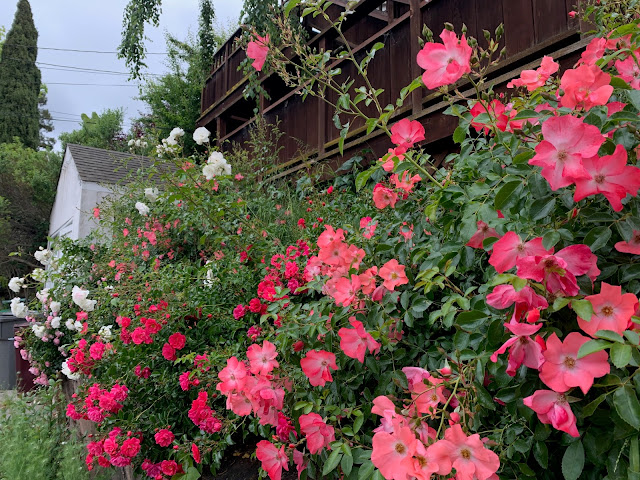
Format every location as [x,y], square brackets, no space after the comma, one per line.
[455,389]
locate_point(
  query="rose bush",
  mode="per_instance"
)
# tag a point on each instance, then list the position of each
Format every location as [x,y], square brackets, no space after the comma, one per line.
[464,322]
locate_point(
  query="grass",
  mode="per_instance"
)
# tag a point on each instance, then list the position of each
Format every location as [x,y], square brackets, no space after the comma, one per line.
[36,442]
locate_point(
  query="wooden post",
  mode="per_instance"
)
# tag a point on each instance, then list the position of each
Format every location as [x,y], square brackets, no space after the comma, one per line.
[219,130]
[416,26]
[322,111]
[225,69]
[391,4]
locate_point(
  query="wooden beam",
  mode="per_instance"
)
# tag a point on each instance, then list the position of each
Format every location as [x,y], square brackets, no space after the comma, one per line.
[435,106]
[415,27]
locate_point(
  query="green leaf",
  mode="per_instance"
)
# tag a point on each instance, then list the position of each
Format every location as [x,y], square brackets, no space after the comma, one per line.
[632,336]
[617,82]
[291,4]
[484,398]
[634,96]
[365,471]
[624,117]
[471,320]
[573,461]
[332,462]
[621,355]
[560,303]
[347,464]
[524,114]
[583,309]
[550,239]
[523,157]
[597,238]
[542,207]
[504,194]
[363,178]
[634,455]
[609,335]
[629,272]
[541,454]
[588,409]
[627,405]
[526,469]
[459,135]
[192,474]
[593,346]
[357,423]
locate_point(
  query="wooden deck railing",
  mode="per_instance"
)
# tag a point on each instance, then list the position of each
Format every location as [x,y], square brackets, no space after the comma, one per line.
[532,28]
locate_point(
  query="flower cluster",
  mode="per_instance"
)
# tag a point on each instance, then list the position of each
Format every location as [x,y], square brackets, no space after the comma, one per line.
[117,449]
[99,403]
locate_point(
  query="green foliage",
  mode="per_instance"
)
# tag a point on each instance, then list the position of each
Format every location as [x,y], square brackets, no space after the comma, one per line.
[174,99]
[138,13]
[36,439]
[46,125]
[132,48]
[208,39]
[3,34]
[27,190]
[205,245]
[20,81]
[102,130]
[257,14]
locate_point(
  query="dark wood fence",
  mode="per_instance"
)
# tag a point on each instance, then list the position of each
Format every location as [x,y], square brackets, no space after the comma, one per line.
[533,28]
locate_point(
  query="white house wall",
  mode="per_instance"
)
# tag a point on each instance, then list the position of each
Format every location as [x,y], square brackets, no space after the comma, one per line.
[92,196]
[65,213]
[72,212]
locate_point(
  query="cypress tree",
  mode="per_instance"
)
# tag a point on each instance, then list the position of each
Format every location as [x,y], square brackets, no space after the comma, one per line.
[20,81]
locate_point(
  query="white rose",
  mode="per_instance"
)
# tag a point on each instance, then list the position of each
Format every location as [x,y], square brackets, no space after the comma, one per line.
[208,281]
[18,309]
[38,330]
[142,209]
[131,142]
[105,332]
[67,372]
[151,194]
[176,133]
[38,275]
[201,135]
[43,295]
[216,165]
[69,324]
[15,284]
[43,256]
[55,323]
[55,307]
[79,297]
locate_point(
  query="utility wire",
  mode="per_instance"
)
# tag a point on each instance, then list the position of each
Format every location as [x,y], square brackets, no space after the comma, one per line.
[91,84]
[77,68]
[79,51]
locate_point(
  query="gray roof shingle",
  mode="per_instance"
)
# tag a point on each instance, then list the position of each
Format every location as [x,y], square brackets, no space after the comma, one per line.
[106,166]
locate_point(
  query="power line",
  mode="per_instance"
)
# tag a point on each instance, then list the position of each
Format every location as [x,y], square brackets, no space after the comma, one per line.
[73,67]
[79,51]
[79,69]
[92,84]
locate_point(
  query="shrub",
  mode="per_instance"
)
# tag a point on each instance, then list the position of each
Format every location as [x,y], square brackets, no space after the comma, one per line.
[468,320]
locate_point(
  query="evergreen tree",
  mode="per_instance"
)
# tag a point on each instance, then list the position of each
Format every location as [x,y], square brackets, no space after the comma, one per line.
[207,35]
[46,125]
[20,81]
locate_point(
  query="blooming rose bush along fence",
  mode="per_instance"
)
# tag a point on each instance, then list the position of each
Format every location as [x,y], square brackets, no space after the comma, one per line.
[455,323]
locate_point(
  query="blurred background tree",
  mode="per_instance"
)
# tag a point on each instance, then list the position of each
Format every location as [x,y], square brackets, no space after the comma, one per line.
[99,131]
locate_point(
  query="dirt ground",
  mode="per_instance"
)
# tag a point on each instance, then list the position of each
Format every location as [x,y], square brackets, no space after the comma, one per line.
[238,465]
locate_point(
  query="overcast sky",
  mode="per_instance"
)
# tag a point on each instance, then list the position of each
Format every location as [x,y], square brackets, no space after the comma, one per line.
[96,25]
